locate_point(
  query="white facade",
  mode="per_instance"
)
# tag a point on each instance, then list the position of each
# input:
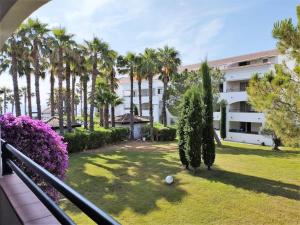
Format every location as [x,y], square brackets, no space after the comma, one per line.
[243,124]
[123,92]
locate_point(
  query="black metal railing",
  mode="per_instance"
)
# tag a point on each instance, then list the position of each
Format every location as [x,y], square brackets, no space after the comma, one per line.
[8,165]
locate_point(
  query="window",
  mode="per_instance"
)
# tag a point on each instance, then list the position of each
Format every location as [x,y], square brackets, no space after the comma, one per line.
[244,63]
[159,91]
[243,85]
[145,106]
[221,87]
[265,60]
[126,93]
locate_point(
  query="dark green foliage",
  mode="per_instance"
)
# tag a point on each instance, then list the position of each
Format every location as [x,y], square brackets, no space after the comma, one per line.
[193,128]
[223,122]
[119,134]
[136,111]
[82,139]
[208,148]
[98,138]
[77,141]
[180,131]
[160,132]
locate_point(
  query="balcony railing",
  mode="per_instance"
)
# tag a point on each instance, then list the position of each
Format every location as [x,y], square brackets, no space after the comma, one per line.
[243,131]
[10,153]
[242,111]
[235,89]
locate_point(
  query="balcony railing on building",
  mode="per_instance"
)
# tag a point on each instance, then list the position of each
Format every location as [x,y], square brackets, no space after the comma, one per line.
[9,157]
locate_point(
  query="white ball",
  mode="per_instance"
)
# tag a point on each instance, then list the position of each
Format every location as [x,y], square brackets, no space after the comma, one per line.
[169,179]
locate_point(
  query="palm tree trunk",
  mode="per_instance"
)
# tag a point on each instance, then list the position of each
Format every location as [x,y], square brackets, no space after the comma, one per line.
[94,74]
[101,116]
[85,111]
[112,88]
[131,106]
[5,102]
[37,79]
[73,98]
[68,97]
[52,101]
[151,106]
[164,113]
[60,90]
[106,115]
[14,72]
[25,102]
[81,103]
[140,96]
[28,84]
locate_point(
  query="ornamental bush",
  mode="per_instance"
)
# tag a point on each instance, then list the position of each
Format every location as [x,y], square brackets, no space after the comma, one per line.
[208,145]
[160,132]
[40,143]
[193,128]
[82,139]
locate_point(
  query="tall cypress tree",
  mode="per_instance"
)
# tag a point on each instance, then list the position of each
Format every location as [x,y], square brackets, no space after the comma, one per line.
[208,148]
[193,128]
[180,130]
[223,121]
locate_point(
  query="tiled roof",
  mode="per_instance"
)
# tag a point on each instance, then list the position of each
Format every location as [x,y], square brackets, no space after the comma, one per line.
[125,119]
[230,60]
[54,123]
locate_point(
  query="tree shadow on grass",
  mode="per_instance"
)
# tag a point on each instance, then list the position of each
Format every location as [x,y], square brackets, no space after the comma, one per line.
[252,183]
[128,180]
[228,149]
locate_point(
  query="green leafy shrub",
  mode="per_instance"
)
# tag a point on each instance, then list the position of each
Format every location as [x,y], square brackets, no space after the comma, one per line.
[98,138]
[82,139]
[77,141]
[119,134]
[160,132]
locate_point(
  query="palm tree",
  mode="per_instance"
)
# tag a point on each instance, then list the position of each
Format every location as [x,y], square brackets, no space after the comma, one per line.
[11,100]
[9,59]
[109,62]
[128,65]
[150,67]
[24,93]
[62,40]
[96,49]
[139,77]
[82,68]
[5,91]
[69,58]
[36,32]
[26,61]
[169,61]
[1,107]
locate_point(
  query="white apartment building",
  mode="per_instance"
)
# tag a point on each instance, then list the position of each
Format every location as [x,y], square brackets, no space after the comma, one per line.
[243,124]
[124,92]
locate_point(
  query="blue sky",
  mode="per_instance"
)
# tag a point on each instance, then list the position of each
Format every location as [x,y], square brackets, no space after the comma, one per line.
[197,28]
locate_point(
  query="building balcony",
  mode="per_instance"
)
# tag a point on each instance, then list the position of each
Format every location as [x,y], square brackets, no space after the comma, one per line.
[231,97]
[217,115]
[246,116]
[252,138]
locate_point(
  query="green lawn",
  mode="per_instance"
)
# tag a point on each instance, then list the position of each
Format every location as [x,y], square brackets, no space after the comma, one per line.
[248,185]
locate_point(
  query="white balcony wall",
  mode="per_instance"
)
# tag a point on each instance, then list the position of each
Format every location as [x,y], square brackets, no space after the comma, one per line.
[249,138]
[217,115]
[245,73]
[246,117]
[231,97]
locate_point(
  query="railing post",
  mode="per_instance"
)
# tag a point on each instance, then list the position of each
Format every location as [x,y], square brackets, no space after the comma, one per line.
[6,170]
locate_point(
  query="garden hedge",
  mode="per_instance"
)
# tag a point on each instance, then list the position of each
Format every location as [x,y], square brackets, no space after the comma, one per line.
[82,139]
[160,132]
